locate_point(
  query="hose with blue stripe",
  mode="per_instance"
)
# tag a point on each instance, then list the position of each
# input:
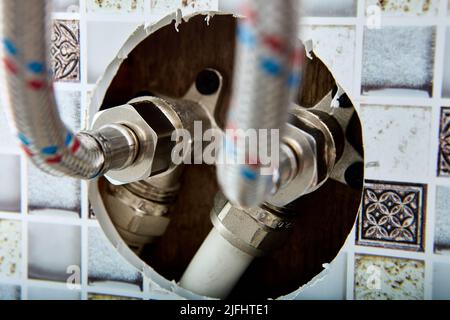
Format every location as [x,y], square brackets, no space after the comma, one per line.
[27,91]
[266,78]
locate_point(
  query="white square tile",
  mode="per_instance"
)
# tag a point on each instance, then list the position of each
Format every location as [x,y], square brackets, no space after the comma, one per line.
[396,142]
[335,46]
[192,6]
[161,8]
[69,106]
[115,6]
[446,83]
[104,40]
[442,223]
[105,263]
[8,143]
[398,60]
[50,192]
[53,250]
[9,292]
[400,8]
[37,293]
[10,248]
[66,5]
[441,281]
[10,183]
[329,8]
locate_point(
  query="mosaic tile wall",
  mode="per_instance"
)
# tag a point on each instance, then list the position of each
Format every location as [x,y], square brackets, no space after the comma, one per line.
[393,57]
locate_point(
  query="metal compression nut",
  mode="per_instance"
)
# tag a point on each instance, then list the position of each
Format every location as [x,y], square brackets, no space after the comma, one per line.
[152,127]
[138,220]
[256,231]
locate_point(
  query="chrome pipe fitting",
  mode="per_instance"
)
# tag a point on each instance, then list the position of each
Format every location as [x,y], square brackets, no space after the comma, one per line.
[256,231]
[152,122]
[119,145]
[137,219]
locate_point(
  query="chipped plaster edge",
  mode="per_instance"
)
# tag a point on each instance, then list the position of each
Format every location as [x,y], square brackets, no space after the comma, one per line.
[158,283]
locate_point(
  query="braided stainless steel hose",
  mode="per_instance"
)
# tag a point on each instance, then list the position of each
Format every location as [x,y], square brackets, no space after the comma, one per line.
[26,88]
[265,79]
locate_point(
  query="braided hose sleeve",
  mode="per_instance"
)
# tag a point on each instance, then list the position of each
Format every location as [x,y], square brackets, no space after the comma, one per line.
[266,77]
[27,91]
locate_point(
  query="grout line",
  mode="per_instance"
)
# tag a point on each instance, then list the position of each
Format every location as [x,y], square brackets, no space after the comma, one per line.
[14,281]
[84,261]
[394,101]
[83,106]
[6,215]
[332,21]
[390,253]
[118,17]
[439,52]
[24,225]
[429,240]
[359,40]
[65,16]
[350,294]
[359,37]
[445,102]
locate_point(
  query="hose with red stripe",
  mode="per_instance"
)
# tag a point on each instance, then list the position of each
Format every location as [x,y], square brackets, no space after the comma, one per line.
[26,88]
[266,78]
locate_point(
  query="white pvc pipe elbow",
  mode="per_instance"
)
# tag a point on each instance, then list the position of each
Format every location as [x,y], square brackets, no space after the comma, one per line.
[216,267]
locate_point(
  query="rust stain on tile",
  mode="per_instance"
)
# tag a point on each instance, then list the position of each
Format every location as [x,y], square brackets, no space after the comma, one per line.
[406,7]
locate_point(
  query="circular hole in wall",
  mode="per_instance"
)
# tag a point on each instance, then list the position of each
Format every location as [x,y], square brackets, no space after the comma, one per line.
[168,62]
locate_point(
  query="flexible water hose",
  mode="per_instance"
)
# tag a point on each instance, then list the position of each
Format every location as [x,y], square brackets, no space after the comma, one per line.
[265,79]
[26,88]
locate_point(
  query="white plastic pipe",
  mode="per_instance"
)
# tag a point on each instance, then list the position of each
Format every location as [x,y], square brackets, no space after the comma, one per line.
[215,268]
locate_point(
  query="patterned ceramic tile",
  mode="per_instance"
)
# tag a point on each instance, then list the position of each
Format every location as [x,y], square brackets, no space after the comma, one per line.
[383,278]
[398,61]
[105,263]
[10,176]
[444,144]
[336,47]
[53,251]
[400,131]
[392,216]
[396,8]
[10,248]
[65,50]
[114,5]
[442,223]
[9,292]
